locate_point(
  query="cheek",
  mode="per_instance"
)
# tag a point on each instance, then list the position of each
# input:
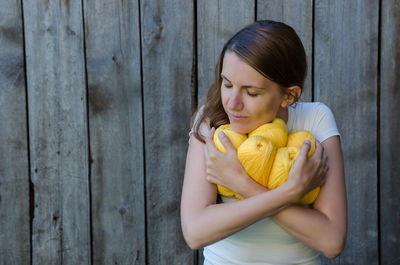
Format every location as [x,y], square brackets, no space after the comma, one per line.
[266,110]
[224,97]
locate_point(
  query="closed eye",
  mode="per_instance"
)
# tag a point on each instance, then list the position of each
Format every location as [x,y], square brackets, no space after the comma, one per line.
[252,94]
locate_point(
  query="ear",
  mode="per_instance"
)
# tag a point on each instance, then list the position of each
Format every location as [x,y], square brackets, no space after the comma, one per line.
[291,95]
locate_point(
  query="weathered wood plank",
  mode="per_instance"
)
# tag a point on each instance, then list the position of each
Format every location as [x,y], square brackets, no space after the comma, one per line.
[14,172]
[116,131]
[346,57]
[389,133]
[217,21]
[58,132]
[298,15]
[167,67]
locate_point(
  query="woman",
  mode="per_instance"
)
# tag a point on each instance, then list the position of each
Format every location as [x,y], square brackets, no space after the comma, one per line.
[260,76]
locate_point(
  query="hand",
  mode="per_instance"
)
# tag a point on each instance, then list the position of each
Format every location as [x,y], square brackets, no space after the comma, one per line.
[308,173]
[223,169]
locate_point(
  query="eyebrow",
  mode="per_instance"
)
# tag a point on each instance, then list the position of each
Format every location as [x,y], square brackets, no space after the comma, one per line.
[248,86]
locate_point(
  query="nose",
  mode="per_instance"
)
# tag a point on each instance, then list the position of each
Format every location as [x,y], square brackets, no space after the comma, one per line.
[235,100]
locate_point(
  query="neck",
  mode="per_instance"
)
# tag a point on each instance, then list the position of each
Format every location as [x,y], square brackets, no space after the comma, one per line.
[283,113]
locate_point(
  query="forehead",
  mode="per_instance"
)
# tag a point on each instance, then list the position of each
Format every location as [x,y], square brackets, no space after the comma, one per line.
[236,69]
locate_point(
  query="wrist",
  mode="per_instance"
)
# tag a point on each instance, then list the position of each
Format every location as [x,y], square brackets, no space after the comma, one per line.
[247,187]
[292,191]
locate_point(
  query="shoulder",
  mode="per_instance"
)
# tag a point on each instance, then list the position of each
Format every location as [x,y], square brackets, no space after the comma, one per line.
[310,110]
[316,117]
[307,108]
[204,127]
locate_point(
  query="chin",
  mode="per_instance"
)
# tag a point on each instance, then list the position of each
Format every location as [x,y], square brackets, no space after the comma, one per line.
[240,129]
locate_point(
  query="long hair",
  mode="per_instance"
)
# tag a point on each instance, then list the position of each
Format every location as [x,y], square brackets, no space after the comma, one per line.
[271,48]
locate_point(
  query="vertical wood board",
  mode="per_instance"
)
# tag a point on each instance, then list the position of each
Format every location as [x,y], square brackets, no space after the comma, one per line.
[389,133]
[58,132]
[346,57]
[217,22]
[14,172]
[167,41]
[115,112]
[298,15]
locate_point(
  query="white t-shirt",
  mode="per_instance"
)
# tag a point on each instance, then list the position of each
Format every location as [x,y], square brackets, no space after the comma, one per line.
[265,242]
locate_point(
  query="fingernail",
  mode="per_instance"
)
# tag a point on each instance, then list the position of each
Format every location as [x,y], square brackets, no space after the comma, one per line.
[221,135]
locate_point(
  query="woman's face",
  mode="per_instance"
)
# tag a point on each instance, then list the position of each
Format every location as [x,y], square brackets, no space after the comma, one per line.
[249,99]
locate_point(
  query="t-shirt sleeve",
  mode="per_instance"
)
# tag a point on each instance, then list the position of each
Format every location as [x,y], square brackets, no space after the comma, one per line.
[324,125]
[204,127]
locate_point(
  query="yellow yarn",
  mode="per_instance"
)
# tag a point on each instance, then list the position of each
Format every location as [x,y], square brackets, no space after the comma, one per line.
[235,138]
[296,138]
[284,160]
[310,197]
[260,156]
[276,131]
[256,155]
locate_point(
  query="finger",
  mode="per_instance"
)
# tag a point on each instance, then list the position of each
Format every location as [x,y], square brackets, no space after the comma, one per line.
[325,159]
[319,150]
[210,135]
[210,139]
[226,142]
[325,171]
[305,147]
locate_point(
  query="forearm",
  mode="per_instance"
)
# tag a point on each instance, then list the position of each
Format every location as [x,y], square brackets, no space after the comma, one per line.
[314,228]
[217,221]
[309,225]
[323,227]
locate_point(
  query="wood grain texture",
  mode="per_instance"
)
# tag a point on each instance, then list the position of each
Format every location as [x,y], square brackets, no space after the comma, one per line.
[298,15]
[128,173]
[346,58]
[217,22]
[116,131]
[167,50]
[57,132]
[389,133]
[14,171]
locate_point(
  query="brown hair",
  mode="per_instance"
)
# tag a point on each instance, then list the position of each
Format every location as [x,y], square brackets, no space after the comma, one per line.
[271,48]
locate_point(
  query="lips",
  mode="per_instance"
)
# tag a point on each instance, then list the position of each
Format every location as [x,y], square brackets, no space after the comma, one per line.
[236,117]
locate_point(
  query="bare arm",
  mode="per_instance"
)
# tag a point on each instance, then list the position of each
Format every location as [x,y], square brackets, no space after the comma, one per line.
[204,221]
[323,227]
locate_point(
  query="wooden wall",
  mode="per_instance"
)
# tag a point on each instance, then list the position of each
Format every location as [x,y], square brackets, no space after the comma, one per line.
[96,98]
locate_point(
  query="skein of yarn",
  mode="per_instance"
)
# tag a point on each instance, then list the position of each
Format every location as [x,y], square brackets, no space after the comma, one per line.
[256,155]
[275,131]
[296,138]
[283,162]
[267,154]
[236,138]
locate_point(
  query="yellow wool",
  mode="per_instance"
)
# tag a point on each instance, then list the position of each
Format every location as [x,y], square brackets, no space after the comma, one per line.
[235,137]
[267,154]
[256,155]
[236,140]
[276,131]
[284,160]
[296,138]
[227,192]
[311,196]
